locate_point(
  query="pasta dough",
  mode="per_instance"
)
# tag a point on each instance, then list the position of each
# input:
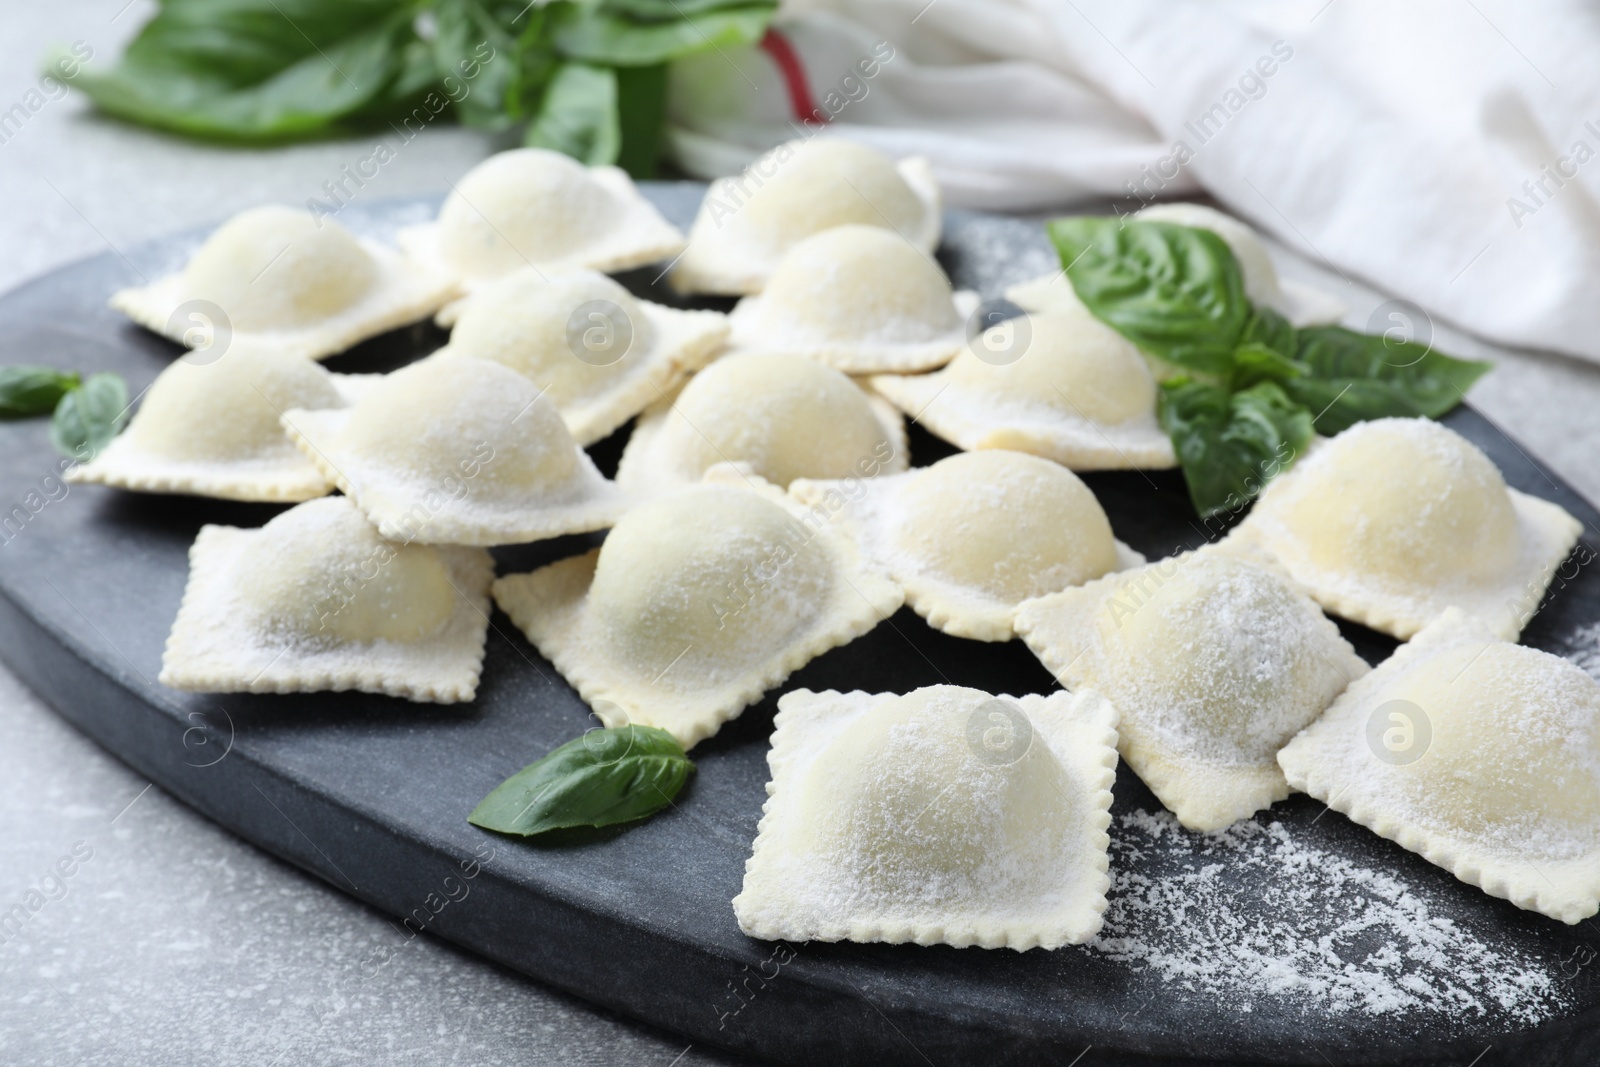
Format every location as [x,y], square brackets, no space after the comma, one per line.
[1059,384]
[212,429]
[317,600]
[976,534]
[277,275]
[858,298]
[1394,520]
[599,354]
[945,816]
[531,207]
[1214,664]
[1481,755]
[747,222]
[780,417]
[697,604]
[455,450]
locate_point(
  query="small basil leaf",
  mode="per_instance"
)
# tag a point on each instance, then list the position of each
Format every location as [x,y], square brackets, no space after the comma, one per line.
[1255,362]
[579,115]
[1174,291]
[1267,327]
[1231,445]
[595,35]
[602,778]
[88,417]
[1354,376]
[26,391]
[475,58]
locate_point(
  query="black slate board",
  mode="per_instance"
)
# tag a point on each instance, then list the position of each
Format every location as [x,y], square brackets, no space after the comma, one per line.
[371,794]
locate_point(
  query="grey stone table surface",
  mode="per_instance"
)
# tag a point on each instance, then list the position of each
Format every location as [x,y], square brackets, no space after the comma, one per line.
[174,943]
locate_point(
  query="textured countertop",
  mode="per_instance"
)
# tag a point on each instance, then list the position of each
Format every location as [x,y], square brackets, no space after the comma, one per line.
[175,943]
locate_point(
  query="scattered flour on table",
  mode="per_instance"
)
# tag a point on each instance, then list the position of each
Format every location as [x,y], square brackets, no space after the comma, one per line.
[1367,942]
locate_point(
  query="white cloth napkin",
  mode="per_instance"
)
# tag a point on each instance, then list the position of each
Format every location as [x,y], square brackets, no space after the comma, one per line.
[1446,151]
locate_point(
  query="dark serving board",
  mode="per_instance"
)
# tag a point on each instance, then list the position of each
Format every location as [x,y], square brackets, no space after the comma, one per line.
[371,794]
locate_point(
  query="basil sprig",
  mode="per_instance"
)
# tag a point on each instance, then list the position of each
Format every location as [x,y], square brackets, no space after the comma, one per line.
[88,417]
[585,77]
[1250,388]
[26,391]
[605,777]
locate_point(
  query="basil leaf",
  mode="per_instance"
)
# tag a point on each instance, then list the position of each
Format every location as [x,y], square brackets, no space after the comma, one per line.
[1267,327]
[88,417]
[1231,444]
[596,35]
[1174,291]
[1255,362]
[604,777]
[26,391]
[579,115]
[1354,376]
[642,109]
[476,59]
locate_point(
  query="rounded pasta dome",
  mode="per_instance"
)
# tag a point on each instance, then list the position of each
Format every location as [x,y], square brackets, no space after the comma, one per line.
[449,420]
[1013,525]
[787,416]
[541,329]
[721,577]
[858,283]
[275,267]
[917,809]
[1255,264]
[1073,363]
[807,187]
[321,571]
[1406,499]
[229,409]
[1222,655]
[1513,757]
[525,206]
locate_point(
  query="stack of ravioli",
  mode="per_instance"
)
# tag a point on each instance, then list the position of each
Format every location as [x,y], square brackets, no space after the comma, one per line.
[765,510]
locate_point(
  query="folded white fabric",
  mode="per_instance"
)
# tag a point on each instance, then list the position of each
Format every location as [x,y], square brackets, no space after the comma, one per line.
[1441,151]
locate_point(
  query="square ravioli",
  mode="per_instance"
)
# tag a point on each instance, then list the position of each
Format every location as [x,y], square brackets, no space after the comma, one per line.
[1061,385]
[211,429]
[316,600]
[1395,520]
[531,207]
[1213,663]
[976,534]
[280,277]
[458,451]
[1481,755]
[944,816]
[696,605]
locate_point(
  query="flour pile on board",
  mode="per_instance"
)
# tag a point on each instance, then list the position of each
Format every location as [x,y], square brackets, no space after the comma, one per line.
[1385,951]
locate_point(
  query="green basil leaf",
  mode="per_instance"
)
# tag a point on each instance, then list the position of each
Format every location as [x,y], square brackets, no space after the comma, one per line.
[1231,444]
[602,778]
[579,115]
[88,417]
[642,109]
[1352,377]
[1267,327]
[256,69]
[1255,362]
[667,10]
[476,59]
[595,35]
[1174,291]
[26,391]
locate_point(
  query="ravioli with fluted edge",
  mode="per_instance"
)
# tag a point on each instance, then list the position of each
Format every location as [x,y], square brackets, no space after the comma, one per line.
[275,274]
[599,354]
[780,417]
[975,535]
[317,600]
[695,605]
[456,450]
[212,429]
[944,816]
[1302,305]
[1213,663]
[531,207]
[747,222]
[1394,520]
[859,298]
[1059,384]
[1481,755]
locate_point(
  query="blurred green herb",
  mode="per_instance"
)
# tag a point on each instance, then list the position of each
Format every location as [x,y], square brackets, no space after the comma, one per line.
[1251,387]
[88,417]
[585,77]
[26,391]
